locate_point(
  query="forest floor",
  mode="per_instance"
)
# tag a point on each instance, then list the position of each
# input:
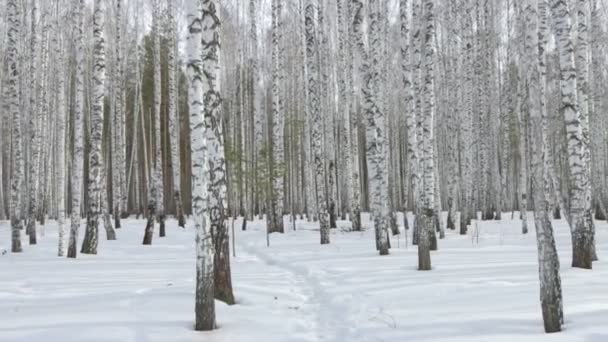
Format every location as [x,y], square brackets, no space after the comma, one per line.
[480,289]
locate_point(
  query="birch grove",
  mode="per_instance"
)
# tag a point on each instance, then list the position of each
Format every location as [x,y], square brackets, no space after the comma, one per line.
[416,120]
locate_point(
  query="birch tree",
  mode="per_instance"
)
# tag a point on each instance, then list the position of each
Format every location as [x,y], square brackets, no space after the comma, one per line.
[376,130]
[314,114]
[198,31]
[275,213]
[89,244]
[580,219]
[78,127]
[428,162]
[548,261]
[61,129]
[216,160]
[173,114]
[12,92]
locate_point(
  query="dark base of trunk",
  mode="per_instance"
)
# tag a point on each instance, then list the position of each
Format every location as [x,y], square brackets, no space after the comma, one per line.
[72,251]
[332,216]
[89,244]
[222,276]
[433,238]
[464,223]
[450,224]
[161,220]
[16,246]
[406,223]
[117,224]
[394,225]
[110,235]
[582,256]
[551,316]
[179,209]
[557,214]
[16,227]
[487,215]
[599,213]
[244,226]
[355,219]
[181,220]
[149,231]
[416,233]
[437,222]
[32,233]
[325,238]
[426,227]
[204,307]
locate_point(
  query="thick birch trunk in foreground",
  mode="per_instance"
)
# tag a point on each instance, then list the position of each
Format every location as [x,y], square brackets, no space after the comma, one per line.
[158,161]
[375,129]
[78,127]
[583,54]
[582,234]
[14,26]
[204,299]
[406,68]
[35,125]
[428,161]
[119,164]
[358,49]
[275,212]
[548,261]
[60,158]
[467,129]
[174,116]
[314,113]
[216,162]
[89,245]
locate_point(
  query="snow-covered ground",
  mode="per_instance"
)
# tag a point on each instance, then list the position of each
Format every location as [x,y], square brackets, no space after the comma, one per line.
[482,289]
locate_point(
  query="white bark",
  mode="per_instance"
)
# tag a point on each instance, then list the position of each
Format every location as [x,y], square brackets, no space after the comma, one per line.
[204,302]
[13,30]
[78,127]
[582,235]
[173,114]
[550,283]
[277,166]
[89,245]
[60,147]
[314,114]
[375,129]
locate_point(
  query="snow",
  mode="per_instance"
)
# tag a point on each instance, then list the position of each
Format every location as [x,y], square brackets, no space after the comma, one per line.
[480,289]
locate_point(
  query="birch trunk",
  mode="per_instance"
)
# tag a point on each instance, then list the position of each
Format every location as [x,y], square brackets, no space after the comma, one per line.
[13,31]
[582,233]
[277,165]
[428,152]
[358,50]
[173,114]
[158,161]
[215,148]
[60,158]
[204,301]
[376,130]
[548,261]
[119,165]
[314,113]
[78,127]
[89,245]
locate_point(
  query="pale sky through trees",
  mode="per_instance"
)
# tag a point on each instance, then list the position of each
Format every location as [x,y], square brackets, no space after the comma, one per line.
[303,170]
